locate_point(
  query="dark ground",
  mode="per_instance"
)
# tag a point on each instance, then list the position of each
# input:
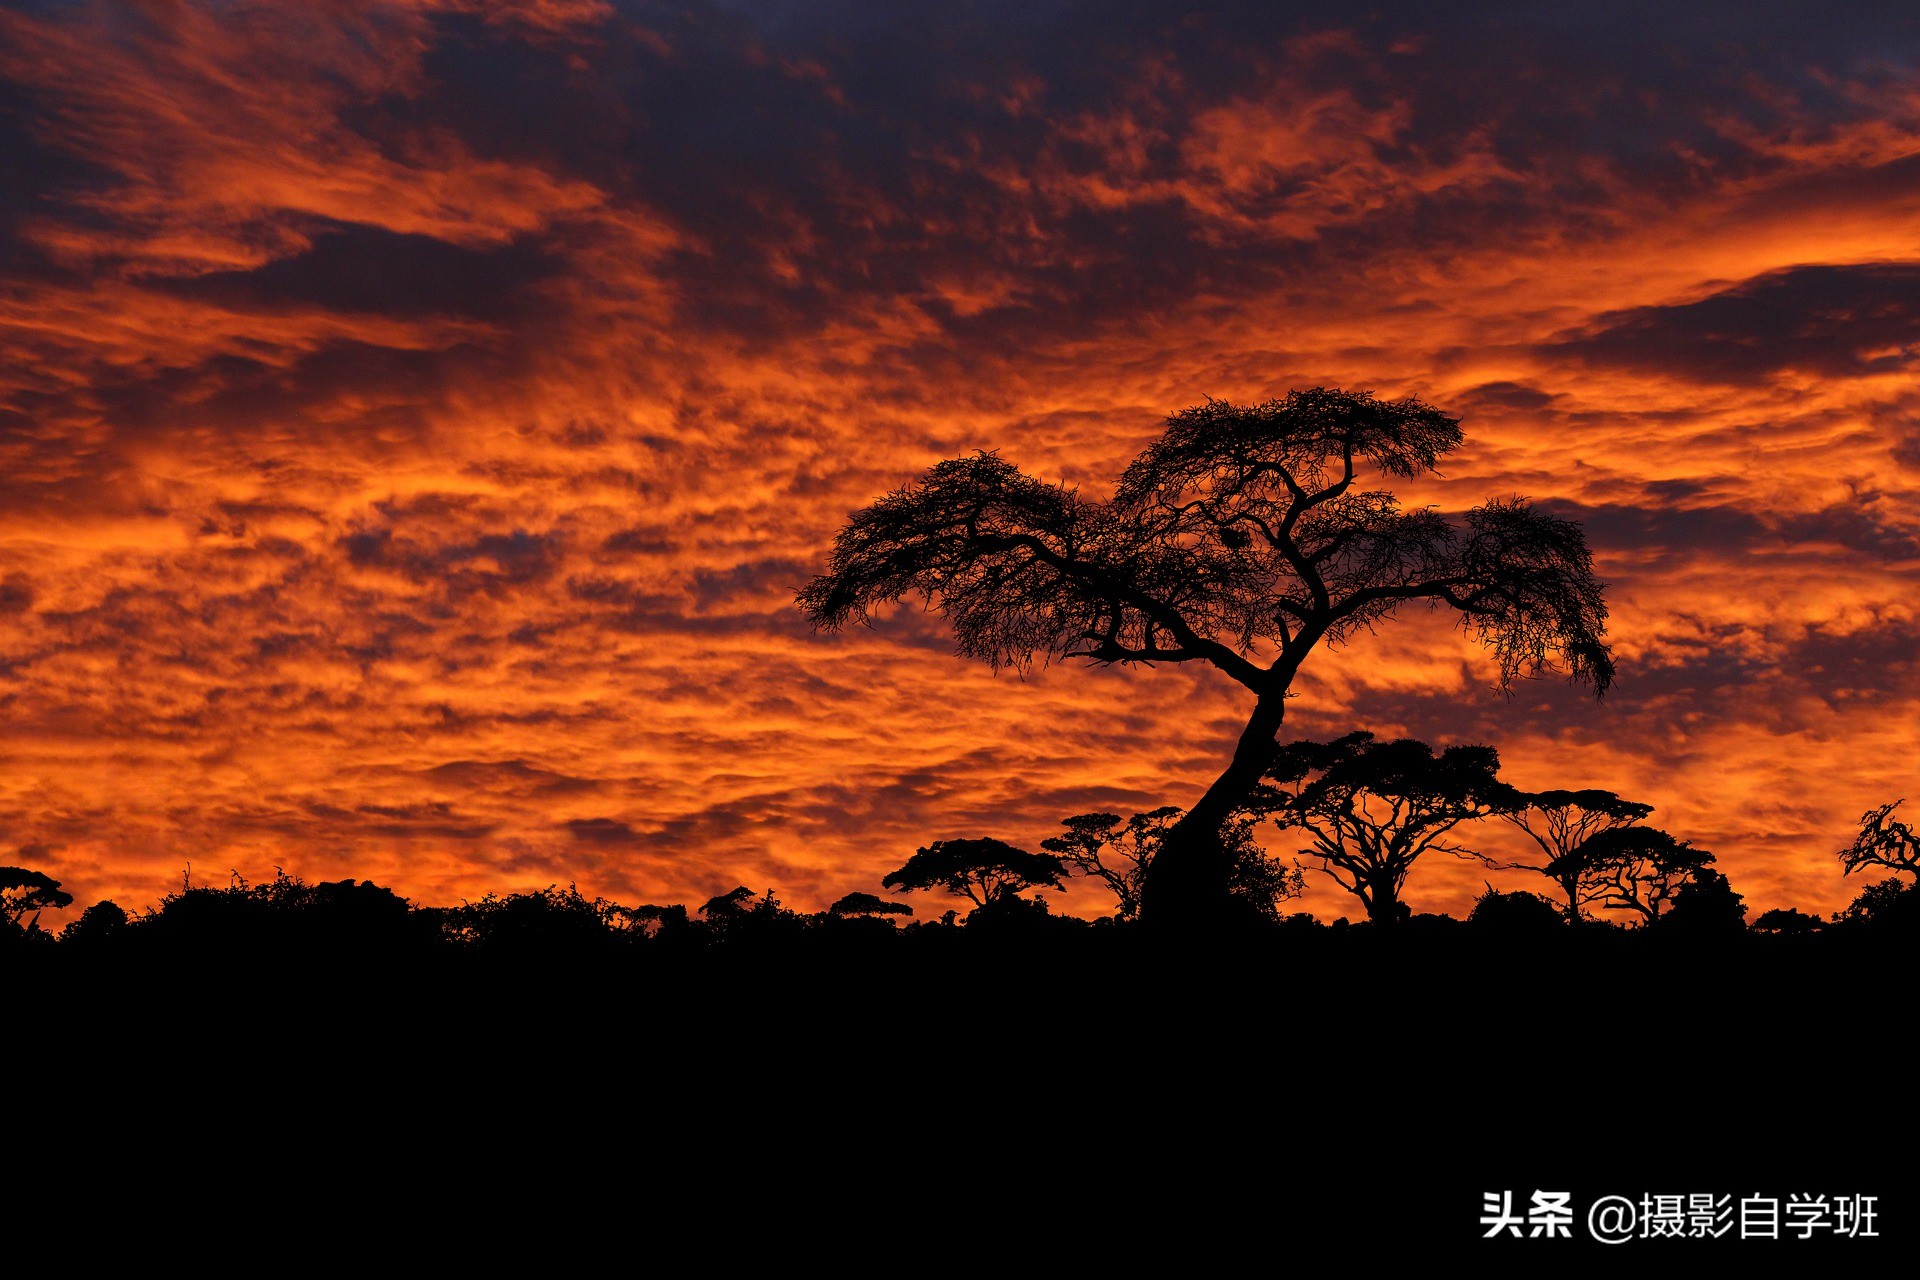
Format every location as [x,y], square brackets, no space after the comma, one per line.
[1099,1096]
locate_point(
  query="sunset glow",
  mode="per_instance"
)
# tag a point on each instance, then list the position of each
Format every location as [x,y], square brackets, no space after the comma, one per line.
[416,418]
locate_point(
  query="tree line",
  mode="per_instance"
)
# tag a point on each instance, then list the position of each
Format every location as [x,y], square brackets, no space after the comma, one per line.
[1364,810]
[1242,539]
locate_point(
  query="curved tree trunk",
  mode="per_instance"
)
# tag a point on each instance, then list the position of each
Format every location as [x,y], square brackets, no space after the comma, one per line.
[1186,883]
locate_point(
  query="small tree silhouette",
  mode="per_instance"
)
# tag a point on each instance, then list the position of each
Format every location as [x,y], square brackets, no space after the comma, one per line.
[1373,808]
[866,905]
[1516,912]
[1885,902]
[551,920]
[1118,854]
[981,870]
[1706,903]
[651,920]
[1787,922]
[23,891]
[1560,822]
[1884,841]
[740,916]
[101,923]
[1238,539]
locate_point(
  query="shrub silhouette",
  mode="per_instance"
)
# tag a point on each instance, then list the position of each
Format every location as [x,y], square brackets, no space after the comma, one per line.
[1705,903]
[668,924]
[1516,912]
[1787,922]
[287,913]
[102,924]
[738,916]
[1014,915]
[551,920]
[1887,904]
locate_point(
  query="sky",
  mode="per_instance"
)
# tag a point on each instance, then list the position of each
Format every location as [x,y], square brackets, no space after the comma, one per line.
[416,418]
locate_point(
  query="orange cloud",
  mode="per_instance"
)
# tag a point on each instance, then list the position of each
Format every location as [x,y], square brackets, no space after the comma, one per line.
[415,420]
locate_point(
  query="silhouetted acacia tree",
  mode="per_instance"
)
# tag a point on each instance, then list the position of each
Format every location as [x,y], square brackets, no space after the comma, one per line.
[1787,922]
[1239,539]
[23,890]
[1372,808]
[1102,847]
[1637,869]
[981,870]
[1560,822]
[1515,912]
[1884,841]
[870,905]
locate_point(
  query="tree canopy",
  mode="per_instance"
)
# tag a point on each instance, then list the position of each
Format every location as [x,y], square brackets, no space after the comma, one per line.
[1883,841]
[25,893]
[859,903]
[982,870]
[1637,869]
[1240,525]
[1560,822]
[1242,538]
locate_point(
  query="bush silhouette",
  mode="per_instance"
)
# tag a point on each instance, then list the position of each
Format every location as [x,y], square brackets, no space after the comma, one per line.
[287,913]
[1890,904]
[1787,922]
[1706,903]
[102,924]
[740,917]
[552,920]
[1516,912]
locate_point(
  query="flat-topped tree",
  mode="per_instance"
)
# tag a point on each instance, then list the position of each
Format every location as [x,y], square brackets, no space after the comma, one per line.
[982,870]
[1560,822]
[1240,538]
[1637,869]
[1370,809]
[22,891]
